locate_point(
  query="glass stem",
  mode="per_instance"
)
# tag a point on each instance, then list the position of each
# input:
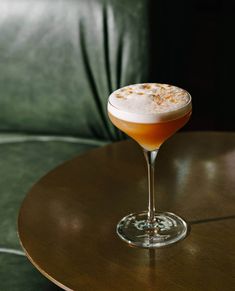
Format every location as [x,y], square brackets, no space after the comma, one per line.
[150,157]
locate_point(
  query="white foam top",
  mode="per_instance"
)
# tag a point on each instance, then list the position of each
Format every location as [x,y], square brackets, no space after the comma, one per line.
[149,103]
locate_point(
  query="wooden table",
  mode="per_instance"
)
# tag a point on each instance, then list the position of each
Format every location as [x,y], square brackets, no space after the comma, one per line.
[67,222]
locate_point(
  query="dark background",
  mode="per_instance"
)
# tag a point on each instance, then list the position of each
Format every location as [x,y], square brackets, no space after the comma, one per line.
[192,46]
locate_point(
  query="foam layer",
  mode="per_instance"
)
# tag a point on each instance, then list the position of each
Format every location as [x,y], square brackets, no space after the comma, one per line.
[149,103]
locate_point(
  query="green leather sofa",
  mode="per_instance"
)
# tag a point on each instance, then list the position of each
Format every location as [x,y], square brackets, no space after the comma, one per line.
[59,60]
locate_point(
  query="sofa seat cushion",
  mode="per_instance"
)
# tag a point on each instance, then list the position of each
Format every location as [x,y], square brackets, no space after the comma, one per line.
[17,274]
[23,160]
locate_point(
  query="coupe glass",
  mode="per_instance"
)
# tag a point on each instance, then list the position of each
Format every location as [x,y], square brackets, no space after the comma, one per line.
[150,229]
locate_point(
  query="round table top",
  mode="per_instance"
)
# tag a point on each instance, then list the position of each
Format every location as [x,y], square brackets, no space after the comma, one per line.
[67,221]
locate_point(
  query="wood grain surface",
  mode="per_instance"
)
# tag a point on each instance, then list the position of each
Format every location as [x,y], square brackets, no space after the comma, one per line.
[67,221]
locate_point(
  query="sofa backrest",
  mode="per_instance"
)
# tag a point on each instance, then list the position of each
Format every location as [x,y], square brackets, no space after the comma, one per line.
[60,59]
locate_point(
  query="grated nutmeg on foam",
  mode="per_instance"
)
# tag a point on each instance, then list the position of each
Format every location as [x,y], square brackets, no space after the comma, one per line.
[149,102]
[155,97]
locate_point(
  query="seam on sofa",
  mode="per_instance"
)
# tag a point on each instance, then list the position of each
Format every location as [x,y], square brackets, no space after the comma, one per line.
[15,138]
[12,251]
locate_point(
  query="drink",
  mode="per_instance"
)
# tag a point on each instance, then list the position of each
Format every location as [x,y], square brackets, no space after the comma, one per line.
[150,113]
[162,111]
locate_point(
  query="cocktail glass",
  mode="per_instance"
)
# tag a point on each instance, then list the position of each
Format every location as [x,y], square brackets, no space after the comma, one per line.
[151,229]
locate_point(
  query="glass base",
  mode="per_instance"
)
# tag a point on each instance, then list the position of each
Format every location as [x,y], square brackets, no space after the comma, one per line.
[167,229]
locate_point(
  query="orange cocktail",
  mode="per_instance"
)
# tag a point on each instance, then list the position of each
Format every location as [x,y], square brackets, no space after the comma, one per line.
[150,136]
[150,113]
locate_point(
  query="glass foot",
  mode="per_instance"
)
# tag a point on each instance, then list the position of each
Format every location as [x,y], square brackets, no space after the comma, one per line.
[167,229]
